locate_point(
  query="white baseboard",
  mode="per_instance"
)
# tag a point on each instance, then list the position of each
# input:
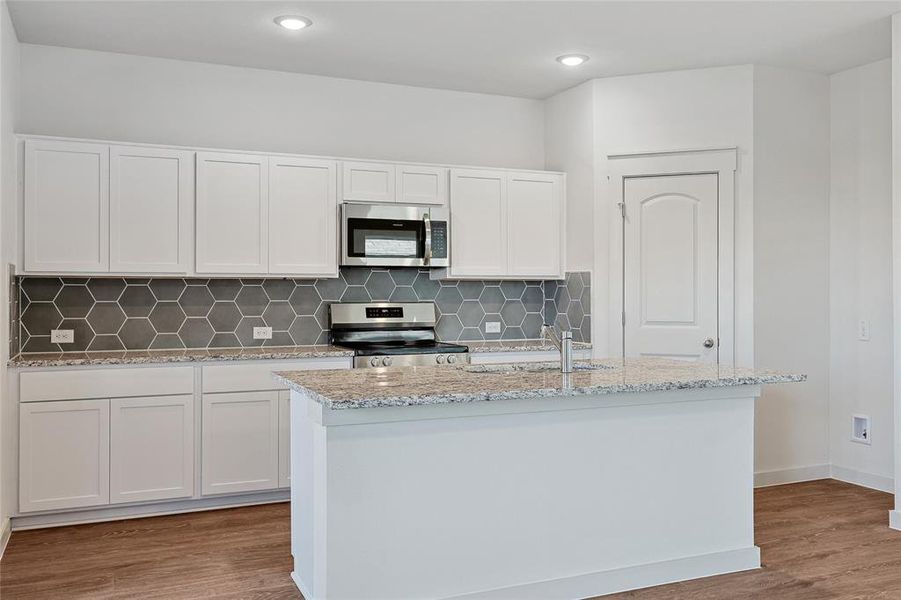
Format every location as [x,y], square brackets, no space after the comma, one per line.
[627,578]
[146,510]
[863,479]
[5,531]
[795,475]
[894,519]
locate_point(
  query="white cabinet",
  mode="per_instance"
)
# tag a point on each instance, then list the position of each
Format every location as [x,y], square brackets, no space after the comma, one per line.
[240,442]
[421,185]
[303,217]
[151,448]
[367,182]
[284,439]
[506,224]
[535,224]
[66,206]
[232,213]
[63,454]
[150,209]
[478,212]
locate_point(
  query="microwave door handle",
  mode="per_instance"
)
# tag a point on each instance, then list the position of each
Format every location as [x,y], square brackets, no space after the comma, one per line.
[427,254]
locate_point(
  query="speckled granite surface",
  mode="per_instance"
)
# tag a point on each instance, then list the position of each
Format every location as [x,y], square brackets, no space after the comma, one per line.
[519,346]
[137,357]
[411,386]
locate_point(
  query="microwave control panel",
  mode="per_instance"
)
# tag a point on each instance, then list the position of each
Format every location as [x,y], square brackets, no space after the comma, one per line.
[439,239]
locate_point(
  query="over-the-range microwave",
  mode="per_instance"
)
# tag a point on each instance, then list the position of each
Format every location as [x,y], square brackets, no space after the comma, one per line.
[394,235]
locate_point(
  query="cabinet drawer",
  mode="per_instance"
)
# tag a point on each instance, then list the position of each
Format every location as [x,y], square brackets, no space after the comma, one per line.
[258,376]
[105,383]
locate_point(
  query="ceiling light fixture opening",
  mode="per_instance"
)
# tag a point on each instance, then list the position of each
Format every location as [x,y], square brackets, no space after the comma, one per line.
[572,60]
[294,23]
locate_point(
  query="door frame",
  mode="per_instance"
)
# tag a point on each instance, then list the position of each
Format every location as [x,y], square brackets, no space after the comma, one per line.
[721,162]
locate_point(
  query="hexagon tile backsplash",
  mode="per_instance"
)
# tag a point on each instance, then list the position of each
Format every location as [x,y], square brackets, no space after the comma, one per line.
[111,313]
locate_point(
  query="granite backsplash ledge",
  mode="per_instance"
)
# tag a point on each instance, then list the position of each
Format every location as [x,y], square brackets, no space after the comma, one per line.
[112,313]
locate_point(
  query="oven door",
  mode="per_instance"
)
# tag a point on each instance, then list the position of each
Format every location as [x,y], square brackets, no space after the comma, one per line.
[385,235]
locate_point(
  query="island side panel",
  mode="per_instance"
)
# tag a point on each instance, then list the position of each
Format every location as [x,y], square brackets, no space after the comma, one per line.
[586,501]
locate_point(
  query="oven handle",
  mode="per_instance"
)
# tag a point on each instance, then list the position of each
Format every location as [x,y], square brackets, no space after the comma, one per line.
[427,254]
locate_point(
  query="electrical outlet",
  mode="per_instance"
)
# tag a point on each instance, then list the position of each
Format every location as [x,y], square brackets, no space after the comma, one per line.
[863,330]
[262,333]
[860,429]
[62,336]
[492,326]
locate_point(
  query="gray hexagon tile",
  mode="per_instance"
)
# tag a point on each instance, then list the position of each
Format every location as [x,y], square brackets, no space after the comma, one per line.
[40,317]
[167,289]
[136,300]
[305,330]
[224,289]
[224,317]
[244,331]
[106,318]
[105,342]
[167,341]
[305,300]
[279,316]
[137,334]
[83,335]
[278,289]
[196,301]
[106,290]
[41,289]
[380,286]
[167,317]
[196,332]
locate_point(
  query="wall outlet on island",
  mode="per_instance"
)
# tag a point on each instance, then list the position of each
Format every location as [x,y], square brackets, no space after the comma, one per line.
[262,333]
[492,326]
[62,336]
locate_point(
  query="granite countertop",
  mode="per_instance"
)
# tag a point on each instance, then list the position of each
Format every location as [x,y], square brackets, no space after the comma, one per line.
[137,357]
[411,386]
[519,346]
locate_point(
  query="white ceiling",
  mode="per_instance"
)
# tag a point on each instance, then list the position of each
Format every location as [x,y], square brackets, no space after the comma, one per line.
[494,47]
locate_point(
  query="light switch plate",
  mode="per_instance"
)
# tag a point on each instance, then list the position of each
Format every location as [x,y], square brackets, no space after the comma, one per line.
[262,333]
[62,336]
[492,326]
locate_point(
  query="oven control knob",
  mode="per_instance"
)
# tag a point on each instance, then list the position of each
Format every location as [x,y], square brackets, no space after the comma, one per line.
[375,361]
[387,361]
[451,359]
[439,359]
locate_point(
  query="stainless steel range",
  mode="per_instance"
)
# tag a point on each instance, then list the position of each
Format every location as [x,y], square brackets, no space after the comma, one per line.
[385,334]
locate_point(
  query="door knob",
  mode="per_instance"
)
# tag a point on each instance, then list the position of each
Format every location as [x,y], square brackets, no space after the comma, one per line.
[709,343]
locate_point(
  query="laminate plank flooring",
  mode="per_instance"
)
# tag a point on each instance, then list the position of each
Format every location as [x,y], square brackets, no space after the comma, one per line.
[820,540]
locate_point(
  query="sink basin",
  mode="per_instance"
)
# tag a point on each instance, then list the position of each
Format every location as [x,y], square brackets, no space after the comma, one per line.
[542,367]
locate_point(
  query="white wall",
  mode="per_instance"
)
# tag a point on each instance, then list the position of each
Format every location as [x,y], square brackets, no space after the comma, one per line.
[694,109]
[791,265]
[895,516]
[860,273]
[80,93]
[569,147]
[9,81]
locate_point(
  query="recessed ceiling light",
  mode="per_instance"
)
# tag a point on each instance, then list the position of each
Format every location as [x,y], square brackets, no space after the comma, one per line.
[572,60]
[293,23]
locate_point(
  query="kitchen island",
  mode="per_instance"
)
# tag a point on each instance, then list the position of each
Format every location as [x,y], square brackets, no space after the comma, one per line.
[516,481]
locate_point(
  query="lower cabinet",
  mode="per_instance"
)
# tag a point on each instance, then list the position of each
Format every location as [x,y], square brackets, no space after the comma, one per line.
[240,445]
[63,454]
[151,448]
[284,439]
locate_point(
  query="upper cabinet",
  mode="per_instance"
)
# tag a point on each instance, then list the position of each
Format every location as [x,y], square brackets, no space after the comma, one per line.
[506,224]
[150,210]
[386,183]
[66,206]
[367,182]
[303,216]
[232,213]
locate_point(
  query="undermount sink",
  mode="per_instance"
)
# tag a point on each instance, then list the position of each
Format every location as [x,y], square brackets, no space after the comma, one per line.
[542,367]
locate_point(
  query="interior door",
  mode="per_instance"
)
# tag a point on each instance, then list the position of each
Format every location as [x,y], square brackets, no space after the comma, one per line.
[670,267]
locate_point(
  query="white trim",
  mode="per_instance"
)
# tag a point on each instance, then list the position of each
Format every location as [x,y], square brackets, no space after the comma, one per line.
[5,533]
[304,590]
[894,519]
[863,479]
[146,510]
[793,475]
[627,578]
[721,162]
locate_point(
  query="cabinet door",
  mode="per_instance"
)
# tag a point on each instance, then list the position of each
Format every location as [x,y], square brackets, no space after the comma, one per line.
[232,213]
[421,185]
[284,439]
[303,216]
[367,182]
[151,201]
[535,225]
[63,454]
[240,442]
[478,223]
[151,448]
[66,207]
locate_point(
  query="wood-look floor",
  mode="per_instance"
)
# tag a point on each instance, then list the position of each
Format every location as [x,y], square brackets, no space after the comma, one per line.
[819,540]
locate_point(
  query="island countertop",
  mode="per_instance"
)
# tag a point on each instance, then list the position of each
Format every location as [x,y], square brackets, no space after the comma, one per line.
[412,386]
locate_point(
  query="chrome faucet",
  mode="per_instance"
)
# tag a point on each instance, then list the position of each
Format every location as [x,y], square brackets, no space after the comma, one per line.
[563,343]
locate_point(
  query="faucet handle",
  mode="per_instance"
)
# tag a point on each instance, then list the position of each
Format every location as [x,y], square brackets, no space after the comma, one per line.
[566,335]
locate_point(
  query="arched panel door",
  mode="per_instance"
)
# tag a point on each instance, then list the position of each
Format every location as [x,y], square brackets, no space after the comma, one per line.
[670,267]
